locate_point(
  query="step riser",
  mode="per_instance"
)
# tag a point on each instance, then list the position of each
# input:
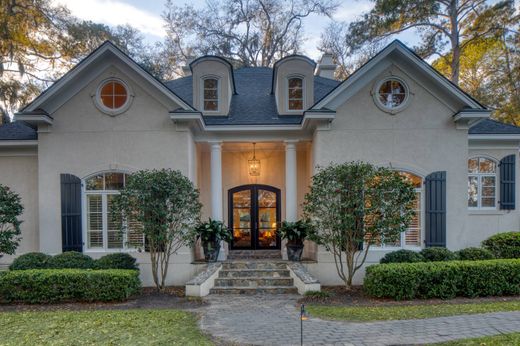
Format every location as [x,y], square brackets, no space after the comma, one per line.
[253,282]
[253,265]
[260,290]
[254,254]
[279,273]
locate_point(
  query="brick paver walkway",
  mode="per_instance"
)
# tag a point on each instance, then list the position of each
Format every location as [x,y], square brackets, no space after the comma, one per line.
[274,320]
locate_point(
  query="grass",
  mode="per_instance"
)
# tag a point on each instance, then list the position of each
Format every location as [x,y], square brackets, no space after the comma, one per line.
[381,313]
[496,340]
[102,327]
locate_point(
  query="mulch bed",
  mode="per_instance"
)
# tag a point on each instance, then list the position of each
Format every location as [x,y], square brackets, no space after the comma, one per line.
[338,296]
[172,298]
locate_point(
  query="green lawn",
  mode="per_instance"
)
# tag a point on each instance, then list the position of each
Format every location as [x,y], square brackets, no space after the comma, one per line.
[497,340]
[118,327]
[379,313]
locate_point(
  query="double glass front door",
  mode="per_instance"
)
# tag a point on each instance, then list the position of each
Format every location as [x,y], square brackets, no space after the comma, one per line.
[254,216]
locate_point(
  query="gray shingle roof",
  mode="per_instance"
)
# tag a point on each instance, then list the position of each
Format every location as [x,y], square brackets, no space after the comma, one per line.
[490,126]
[17,131]
[254,104]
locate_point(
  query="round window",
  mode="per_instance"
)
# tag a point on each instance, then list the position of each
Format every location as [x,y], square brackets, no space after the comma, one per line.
[113,96]
[391,95]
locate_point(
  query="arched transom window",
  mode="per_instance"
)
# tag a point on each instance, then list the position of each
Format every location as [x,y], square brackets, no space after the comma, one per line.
[482,179]
[411,238]
[295,94]
[210,95]
[103,228]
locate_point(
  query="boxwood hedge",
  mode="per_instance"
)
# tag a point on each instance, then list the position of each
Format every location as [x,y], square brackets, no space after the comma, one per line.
[443,279]
[63,285]
[504,245]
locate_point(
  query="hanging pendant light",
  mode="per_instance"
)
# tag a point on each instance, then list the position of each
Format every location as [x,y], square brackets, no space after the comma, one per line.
[254,164]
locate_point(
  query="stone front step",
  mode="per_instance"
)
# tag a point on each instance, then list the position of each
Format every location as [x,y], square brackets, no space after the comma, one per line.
[254,254]
[254,265]
[253,282]
[264,273]
[255,290]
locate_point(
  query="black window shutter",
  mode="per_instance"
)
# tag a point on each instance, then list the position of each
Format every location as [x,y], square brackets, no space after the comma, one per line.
[507,182]
[435,209]
[71,232]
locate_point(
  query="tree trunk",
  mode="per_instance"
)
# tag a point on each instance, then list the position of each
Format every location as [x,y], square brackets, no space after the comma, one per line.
[455,44]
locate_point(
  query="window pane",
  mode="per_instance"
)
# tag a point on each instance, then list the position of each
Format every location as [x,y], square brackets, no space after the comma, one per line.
[295,93]
[472,192]
[210,105]
[135,233]
[119,89]
[119,101]
[412,178]
[114,181]
[114,223]
[295,83]
[94,221]
[107,89]
[488,181]
[486,166]
[108,101]
[210,95]
[210,83]
[488,191]
[95,183]
[473,166]
[295,105]
[488,202]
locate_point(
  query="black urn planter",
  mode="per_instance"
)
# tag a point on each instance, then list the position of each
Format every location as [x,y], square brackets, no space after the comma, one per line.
[211,250]
[294,252]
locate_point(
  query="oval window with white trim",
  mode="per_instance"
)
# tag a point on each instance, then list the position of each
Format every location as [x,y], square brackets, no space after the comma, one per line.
[113,96]
[391,95]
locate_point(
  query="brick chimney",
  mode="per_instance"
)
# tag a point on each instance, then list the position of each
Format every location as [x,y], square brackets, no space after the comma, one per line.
[326,66]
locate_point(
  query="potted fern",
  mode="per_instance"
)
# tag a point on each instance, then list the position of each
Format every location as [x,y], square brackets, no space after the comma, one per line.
[295,233]
[211,233]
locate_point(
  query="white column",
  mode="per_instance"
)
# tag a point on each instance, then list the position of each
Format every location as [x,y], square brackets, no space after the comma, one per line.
[216,188]
[291,186]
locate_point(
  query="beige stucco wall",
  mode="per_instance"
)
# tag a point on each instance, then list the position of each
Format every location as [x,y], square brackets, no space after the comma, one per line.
[421,139]
[294,67]
[216,68]
[83,141]
[484,223]
[19,171]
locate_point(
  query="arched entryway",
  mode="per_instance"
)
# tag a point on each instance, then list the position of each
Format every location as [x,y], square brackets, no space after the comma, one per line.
[254,217]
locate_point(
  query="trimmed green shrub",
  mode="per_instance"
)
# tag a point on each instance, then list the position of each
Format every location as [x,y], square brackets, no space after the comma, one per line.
[504,245]
[443,279]
[116,261]
[437,254]
[64,285]
[474,254]
[402,256]
[31,260]
[71,260]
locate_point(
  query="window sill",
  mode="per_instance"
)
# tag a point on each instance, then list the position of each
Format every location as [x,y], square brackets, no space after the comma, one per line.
[411,248]
[486,212]
[103,251]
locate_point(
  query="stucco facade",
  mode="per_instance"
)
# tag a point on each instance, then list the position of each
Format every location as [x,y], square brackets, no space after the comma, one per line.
[160,128]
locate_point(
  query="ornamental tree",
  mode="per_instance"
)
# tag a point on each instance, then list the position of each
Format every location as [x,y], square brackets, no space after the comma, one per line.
[355,205]
[10,210]
[166,205]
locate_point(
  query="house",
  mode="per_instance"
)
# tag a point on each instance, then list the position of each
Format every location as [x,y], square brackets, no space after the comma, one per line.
[250,140]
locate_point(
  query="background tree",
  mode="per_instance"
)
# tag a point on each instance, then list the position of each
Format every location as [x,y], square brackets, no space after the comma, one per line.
[248,32]
[10,210]
[354,205]
[166,205]
[441,23]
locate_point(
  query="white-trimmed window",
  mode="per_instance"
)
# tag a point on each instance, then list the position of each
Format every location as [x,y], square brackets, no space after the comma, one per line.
[482,183]
[391,95]
[113,96]
[103,229]
[411,238]
[210,94]
[295,94]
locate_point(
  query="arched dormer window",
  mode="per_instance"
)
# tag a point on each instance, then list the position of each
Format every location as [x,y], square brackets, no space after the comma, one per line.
[482,181]
[103,229]
[295,94]
[210,99]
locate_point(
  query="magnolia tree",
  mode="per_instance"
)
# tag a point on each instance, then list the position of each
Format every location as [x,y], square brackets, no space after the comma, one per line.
[10,210]
[166,206]
[354,205]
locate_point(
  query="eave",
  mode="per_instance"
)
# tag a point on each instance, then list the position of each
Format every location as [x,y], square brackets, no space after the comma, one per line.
[34,118]
[468,117]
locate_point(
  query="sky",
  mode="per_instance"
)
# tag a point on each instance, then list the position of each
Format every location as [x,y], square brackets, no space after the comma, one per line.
[146,17]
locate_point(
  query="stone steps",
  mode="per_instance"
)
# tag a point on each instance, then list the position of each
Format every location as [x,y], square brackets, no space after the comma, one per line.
[254,254]
[255,290]
[265,273]
[253,282]
[238,265]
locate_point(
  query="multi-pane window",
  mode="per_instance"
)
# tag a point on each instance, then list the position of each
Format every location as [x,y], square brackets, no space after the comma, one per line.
[295,94]
[104,229]
[412,236]
[392,93]
[113,94]
[210,96]
[482,178]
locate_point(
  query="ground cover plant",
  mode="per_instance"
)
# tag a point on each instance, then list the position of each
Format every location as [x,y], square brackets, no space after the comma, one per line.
[102,327]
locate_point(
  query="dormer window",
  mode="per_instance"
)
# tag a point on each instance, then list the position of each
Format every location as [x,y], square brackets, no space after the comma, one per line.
[295,93]
[210,95]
